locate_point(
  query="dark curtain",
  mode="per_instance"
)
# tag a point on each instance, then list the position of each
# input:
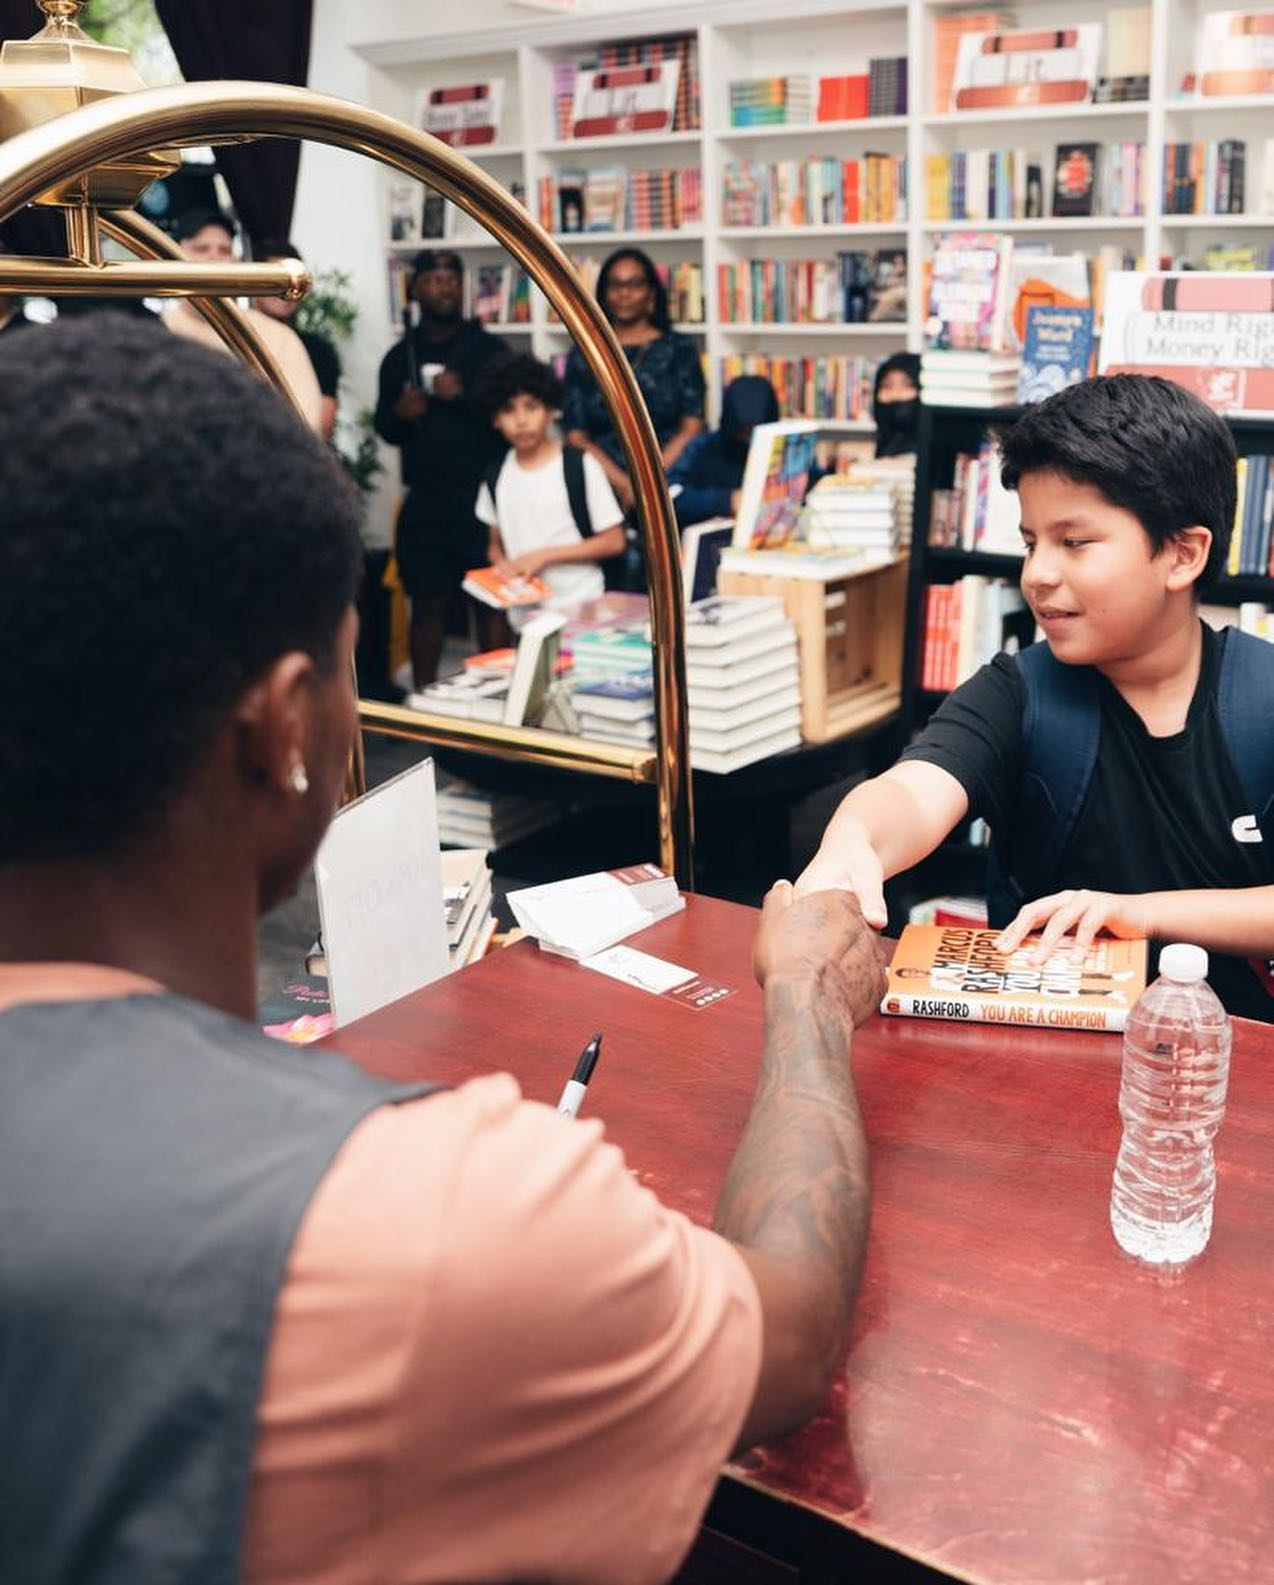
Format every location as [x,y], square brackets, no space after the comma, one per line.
[263,43]
[32,231]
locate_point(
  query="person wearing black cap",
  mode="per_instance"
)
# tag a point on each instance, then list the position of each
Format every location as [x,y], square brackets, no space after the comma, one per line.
[425,405]
[895,404]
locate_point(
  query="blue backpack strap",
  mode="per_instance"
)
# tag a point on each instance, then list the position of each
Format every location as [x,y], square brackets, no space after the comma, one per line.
[1245,705]
[1061,728]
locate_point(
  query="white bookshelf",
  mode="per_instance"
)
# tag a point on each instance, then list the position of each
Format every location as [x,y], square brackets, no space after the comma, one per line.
[743,38]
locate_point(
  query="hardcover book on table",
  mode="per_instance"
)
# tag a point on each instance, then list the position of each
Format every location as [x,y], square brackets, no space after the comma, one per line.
[941,971]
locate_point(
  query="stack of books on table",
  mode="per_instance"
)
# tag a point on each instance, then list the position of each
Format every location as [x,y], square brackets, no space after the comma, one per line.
[619,709]
[598,653]
[742,681]
[466,898]
[851,513]
[469,817]
[968,378]
[470,695]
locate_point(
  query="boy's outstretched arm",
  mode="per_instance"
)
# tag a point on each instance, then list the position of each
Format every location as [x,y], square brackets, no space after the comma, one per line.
[883,826]
[1238,920]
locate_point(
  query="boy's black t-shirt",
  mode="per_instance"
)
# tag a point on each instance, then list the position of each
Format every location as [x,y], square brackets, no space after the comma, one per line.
[1159,814]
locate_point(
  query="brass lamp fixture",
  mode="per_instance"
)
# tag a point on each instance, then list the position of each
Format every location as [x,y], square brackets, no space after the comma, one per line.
[80,135]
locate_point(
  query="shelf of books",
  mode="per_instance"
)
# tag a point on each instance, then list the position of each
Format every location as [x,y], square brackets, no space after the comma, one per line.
[827,150]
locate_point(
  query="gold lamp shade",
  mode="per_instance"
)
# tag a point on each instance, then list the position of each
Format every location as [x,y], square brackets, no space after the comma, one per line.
[59,70]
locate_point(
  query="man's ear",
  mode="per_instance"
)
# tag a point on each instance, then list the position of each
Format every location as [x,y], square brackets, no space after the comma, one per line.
[274,718]
[1189,549]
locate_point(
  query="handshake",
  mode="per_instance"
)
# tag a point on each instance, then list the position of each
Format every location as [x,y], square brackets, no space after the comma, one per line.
[820,941]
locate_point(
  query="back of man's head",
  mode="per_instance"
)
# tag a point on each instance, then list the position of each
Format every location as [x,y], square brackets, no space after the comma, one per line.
[168,528]
[1147,444]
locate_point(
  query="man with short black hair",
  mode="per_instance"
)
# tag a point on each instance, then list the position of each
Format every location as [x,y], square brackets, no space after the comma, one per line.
[267,1318]
[426,405]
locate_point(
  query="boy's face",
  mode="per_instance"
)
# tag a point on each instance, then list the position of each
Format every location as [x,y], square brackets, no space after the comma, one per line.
[523,422]
[1090,575]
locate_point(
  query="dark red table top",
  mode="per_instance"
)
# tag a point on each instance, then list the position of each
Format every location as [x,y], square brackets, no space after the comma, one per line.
[1021,1401]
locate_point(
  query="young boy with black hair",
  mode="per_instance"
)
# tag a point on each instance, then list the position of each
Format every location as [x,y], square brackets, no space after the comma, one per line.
[551,513]
[1126,764]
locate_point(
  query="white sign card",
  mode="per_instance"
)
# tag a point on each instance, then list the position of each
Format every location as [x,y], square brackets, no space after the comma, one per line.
[379,880]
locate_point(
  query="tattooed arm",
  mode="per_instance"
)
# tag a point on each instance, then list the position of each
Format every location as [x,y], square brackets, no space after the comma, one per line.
[796,1201]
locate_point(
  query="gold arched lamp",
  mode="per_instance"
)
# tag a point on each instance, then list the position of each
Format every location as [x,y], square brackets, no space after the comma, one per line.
[49,156]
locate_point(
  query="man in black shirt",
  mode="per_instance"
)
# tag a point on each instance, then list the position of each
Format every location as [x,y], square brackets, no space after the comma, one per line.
[426,406]
[322,354]
[1127,489]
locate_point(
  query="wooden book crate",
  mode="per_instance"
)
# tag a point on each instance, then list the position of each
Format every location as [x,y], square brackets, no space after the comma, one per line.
[850,632]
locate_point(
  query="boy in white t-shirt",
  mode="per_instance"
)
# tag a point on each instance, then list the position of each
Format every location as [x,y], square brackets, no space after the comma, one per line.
[535,526]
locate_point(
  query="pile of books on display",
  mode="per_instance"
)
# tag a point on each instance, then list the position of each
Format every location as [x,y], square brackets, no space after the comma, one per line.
[469,817]
[817,191]
[969,379]
[977,513]
[466,900]
[966,624]
[771,101]
[742,683]
[866,511]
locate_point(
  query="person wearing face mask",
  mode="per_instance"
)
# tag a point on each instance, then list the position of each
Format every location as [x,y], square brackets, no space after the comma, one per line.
[707,477]
[895,404]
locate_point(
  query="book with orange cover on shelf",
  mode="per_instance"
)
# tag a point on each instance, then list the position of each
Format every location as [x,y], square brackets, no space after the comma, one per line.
[958,973]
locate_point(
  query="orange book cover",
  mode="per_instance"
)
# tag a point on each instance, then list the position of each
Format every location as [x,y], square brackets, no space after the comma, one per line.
[492,588]
[941,971]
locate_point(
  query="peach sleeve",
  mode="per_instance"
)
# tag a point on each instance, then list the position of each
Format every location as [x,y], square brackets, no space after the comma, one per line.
[496,1357]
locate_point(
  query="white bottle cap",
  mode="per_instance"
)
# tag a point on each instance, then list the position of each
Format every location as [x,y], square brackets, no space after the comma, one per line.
[1183,963]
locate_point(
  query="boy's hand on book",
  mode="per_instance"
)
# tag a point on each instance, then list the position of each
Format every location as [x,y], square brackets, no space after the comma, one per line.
[821,941]
[1073,918]
[529,565]
[854,867]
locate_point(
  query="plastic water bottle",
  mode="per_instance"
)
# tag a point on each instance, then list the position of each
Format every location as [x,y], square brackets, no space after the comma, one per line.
[1172,1100]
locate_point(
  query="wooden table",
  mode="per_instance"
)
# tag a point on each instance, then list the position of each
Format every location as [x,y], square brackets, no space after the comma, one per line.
[1021,1401]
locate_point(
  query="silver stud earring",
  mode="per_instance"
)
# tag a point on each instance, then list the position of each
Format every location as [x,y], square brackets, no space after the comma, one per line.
[299,780]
